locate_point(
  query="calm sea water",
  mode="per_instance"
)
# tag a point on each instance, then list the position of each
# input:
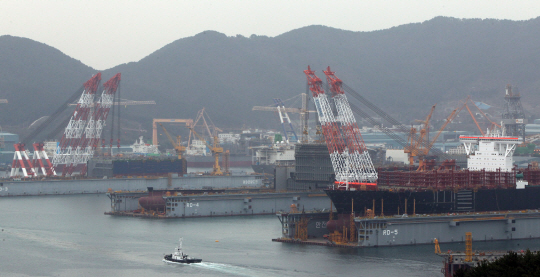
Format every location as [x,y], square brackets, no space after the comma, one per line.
[70,236]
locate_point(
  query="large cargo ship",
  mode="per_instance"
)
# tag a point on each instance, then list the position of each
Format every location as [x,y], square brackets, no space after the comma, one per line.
[488,184]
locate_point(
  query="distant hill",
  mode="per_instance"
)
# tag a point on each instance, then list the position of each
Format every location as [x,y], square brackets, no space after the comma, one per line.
[36,79]
[404,70]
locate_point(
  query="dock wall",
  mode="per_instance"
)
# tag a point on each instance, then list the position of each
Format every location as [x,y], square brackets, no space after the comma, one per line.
[452,228]
[221,204]
[243,204]
[83,186]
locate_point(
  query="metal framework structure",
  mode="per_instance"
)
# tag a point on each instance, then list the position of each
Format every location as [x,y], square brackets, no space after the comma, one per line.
[360,166]
[83,132]
[47,168]
[188,122]
[513,117]
[330,128]
[69,145]
[21,162]
[348,153]
[94,128]
[448,179]
[285,121]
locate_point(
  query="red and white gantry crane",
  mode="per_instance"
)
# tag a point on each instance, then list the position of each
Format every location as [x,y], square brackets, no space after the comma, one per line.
[359,167]
[94,128]
[332,134]
[70,144]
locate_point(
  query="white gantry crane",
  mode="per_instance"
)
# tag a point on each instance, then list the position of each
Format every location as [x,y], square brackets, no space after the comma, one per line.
[290,135]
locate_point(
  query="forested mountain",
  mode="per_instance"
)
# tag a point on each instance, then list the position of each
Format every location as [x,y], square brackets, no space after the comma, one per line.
[404,70]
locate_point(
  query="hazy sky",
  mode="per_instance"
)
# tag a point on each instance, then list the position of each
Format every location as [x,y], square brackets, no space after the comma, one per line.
[103,34]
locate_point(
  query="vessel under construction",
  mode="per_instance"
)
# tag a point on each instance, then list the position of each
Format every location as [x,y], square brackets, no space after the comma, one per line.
[489,184]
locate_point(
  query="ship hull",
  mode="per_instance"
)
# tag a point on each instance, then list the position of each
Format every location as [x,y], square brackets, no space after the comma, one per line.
[264,168]
[430,202]
[208,161]
[169,259]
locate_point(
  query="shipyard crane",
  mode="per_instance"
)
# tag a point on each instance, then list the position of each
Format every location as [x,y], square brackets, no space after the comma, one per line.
[359,162]
[402,128]
[285,121]
[423,152]
[69,145]
[83,132]
[94,129]
[493,124]
[304,113]
[415,143]
[188,122]
[202,115]
[177,145]
[216,151]
[332,134]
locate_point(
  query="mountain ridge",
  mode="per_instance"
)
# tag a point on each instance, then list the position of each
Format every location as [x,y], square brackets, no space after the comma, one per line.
[403,69]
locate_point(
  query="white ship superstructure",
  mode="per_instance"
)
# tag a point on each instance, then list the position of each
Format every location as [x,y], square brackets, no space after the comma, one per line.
[197,148]
[491,152]
[278,154]
[139,147]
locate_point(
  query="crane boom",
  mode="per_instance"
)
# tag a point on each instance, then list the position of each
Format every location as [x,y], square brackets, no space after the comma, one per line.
[360,166]
[402,128]
[177,145]
[70,143]
[331,131]
[216,151]
[285,121]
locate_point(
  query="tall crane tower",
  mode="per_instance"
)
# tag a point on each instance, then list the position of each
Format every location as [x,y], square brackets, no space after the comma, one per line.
[332,134]
[178,147]
[68,147]
[360,167]
[304,113]
[285,120]
[83,132]
[94,128]
[513,117]
[216,151]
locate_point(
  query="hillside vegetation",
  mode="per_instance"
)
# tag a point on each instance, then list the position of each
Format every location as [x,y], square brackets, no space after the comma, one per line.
[403,70]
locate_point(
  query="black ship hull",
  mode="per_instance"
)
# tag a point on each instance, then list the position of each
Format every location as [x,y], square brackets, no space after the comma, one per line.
[430,202]
[169,259]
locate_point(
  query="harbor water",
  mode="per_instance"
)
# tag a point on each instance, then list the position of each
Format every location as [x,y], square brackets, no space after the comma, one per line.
[70,236]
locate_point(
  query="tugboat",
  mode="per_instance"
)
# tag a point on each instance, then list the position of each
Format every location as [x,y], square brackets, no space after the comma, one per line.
[178,257]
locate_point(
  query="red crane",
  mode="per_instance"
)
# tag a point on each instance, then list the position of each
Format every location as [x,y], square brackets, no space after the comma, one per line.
[69,145]
[360,167]
[330,128]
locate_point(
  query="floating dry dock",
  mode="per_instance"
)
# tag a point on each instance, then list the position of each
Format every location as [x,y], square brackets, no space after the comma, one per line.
[412,230]
[84,186]
[211,203]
